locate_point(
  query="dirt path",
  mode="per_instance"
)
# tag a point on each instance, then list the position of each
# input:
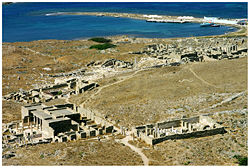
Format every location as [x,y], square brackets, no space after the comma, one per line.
[103,87]
[229,99]
[134,148]
[128,134]
[201,79]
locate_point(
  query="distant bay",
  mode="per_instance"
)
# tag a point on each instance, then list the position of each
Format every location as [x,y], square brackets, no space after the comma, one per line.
[28,21]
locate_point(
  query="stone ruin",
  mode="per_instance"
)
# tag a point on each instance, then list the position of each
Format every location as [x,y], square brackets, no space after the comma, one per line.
[57,123]
[178,129]
[195,50]
[111,63]
[77,72]
[61,89]
[117,63]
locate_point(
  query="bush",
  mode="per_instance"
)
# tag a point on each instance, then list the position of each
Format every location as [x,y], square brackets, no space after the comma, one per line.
[187,163]
[242,161]
[102,46]
[100,40]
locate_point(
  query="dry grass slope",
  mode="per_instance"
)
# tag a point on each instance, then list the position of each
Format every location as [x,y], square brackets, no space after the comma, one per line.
[146,97]
[87,153]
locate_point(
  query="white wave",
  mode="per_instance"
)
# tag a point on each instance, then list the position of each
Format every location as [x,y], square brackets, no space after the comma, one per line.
[54,14]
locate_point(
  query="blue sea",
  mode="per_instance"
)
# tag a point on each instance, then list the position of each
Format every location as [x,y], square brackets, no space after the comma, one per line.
[28,21]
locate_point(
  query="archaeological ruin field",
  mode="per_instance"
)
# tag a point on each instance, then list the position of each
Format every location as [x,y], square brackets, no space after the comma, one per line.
[139,82]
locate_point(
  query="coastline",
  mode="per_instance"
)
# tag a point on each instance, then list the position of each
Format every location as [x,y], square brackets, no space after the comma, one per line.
[7,3]
[242,30]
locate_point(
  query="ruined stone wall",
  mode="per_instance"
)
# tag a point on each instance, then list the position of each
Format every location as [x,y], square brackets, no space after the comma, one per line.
[86,112]
[25,111]
[48,132]
[189,135]
[55,86]
[147,139]
[95,116]
[138,130]
[206,120]
[75,117]
[87,87]
[60,126]
[65,105]
[192,120]
[169,124]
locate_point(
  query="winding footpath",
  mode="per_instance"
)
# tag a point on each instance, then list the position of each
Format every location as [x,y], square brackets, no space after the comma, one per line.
[128,133]
[134,148]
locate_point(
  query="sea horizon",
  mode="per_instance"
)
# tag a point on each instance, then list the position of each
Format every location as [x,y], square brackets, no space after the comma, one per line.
[30,21]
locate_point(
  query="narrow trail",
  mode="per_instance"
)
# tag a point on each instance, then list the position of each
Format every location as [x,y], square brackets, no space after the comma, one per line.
[103,87]
[128,134]
[134,148]
[202,79]
[227,100]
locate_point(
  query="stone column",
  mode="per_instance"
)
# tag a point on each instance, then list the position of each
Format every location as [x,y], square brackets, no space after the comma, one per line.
[146,131]
[190,127]
[151,131]
[31,129]
[22,125]
[182,123]
[122,130]
[37,124]
[154,133]
[185,125]
[16,127]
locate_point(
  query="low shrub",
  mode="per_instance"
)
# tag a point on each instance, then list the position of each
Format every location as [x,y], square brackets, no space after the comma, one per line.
[100,40]
[59,92]
[187,163]
[102,46]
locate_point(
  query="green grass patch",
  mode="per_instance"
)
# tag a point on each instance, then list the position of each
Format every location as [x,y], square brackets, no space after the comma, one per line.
[42,156]
[242,161]
[100,40]
[102,46]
